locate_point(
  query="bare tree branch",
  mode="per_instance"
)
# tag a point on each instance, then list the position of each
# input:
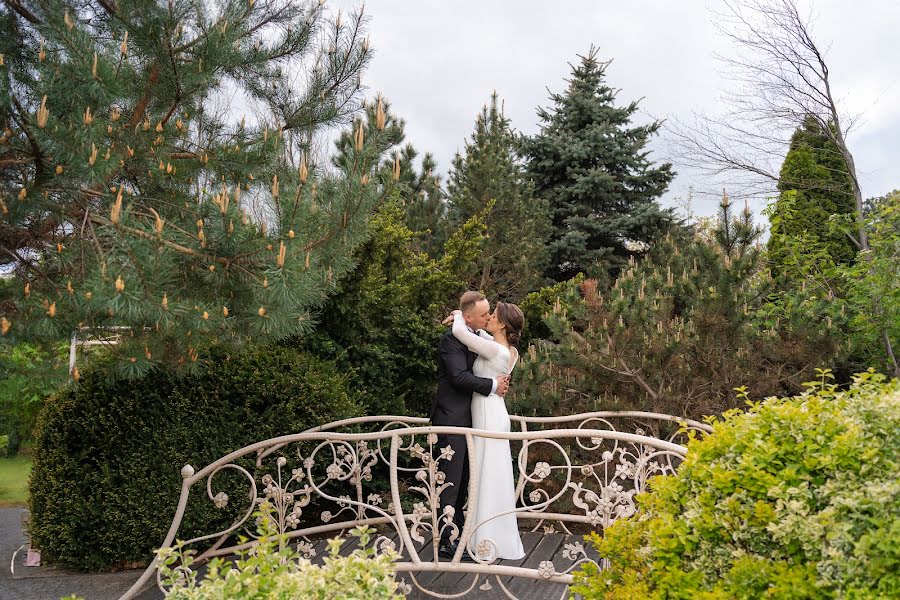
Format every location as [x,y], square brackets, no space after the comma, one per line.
[779,78]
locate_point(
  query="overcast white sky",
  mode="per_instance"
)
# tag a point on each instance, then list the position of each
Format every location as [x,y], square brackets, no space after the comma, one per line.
[438,61]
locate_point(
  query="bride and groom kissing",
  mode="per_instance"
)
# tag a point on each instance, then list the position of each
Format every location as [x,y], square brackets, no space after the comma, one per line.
[475,359]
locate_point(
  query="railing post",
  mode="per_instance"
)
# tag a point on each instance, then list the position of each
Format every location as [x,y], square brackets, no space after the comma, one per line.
[399,517]
[523,464]
[473,499]
[187,471]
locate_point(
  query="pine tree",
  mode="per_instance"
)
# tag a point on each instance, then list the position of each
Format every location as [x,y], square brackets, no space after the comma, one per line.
[815,188]
[593,169]
[676,332]
[135,196]
[426,209]
[417,190]
[489,179]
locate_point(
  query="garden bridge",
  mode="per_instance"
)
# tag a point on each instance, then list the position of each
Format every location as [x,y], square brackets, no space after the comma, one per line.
[575,474]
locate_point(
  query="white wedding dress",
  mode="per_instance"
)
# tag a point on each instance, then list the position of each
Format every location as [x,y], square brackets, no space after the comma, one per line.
[495,517]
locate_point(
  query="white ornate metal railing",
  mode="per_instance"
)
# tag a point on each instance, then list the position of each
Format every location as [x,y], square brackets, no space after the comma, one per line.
[580,472]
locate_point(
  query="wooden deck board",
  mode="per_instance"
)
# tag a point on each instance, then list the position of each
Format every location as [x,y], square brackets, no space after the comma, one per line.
[538,548]
[530,541]
[459,582]
[548,548]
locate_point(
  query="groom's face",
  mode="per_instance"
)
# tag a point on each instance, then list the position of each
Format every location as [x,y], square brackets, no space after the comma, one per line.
[478,317]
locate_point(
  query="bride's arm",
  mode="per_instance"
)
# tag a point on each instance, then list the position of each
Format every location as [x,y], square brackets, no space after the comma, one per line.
[475,343]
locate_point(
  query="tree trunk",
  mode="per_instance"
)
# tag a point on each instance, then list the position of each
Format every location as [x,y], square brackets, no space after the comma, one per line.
[857,191]
[485,274]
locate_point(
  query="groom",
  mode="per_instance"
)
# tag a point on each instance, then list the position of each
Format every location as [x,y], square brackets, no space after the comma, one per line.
[452,405]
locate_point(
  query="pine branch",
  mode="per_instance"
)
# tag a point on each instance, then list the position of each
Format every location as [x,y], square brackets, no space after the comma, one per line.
[23,12]
[21,118]
[142,104]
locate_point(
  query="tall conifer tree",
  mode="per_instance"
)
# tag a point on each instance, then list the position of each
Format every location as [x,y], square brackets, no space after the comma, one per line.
[489,178]
[417,190]
[815,188]
[593,169]
[426,209]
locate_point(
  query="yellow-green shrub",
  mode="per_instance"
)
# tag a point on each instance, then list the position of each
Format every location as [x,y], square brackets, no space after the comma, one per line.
[795,498]
[273,569]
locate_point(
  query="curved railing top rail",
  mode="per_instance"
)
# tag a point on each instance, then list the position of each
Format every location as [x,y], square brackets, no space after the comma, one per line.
[610,414]
[332,436]
[520,420]
[603,414]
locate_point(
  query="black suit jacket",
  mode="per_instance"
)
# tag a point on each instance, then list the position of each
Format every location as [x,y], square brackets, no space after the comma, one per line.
[452,403]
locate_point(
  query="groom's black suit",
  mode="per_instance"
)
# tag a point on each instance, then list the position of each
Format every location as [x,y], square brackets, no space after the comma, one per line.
[452,405]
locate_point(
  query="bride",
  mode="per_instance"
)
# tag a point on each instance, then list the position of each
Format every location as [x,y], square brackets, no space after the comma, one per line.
[495,517]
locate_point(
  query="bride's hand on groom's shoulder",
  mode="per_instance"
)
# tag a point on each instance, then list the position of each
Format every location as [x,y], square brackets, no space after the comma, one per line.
[449,320]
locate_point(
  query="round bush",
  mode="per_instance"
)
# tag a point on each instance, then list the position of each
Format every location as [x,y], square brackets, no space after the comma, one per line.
[107,457]
[796,498]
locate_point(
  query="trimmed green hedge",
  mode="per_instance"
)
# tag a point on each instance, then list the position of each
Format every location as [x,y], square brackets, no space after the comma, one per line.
[107,457]
[796,498]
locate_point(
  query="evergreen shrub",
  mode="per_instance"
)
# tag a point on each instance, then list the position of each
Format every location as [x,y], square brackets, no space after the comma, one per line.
[107,456]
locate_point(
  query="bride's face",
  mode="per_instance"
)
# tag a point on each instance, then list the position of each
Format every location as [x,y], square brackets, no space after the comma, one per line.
[494,326]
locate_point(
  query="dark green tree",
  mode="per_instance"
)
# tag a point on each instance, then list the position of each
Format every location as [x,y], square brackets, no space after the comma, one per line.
[593,169]
[816,190]
[132,192]
[489,179]
[383,324]
[426,209]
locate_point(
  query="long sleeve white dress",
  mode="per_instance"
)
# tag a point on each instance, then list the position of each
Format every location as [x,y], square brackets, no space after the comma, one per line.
[495,517]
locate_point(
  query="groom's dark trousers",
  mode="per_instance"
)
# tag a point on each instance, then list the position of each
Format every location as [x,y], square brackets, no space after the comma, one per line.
[452,405]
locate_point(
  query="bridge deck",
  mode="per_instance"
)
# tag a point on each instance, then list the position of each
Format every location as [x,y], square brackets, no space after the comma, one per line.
[538,547]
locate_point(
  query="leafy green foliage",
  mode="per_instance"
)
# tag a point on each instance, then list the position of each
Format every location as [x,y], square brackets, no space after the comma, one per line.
[489,180]
[857,301]
[28,375]
[273,569]
[592,168]
[107,455]
[383,325]
[796,498]
[872,290]
[131,198]
[541,304]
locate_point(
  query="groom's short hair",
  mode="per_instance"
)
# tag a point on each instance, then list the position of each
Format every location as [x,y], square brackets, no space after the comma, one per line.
[468,300]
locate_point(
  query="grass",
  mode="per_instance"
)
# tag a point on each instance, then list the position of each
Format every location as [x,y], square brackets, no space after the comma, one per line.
[14,480]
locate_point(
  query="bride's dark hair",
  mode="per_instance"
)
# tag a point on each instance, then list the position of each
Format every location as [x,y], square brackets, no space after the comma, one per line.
[513,318]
